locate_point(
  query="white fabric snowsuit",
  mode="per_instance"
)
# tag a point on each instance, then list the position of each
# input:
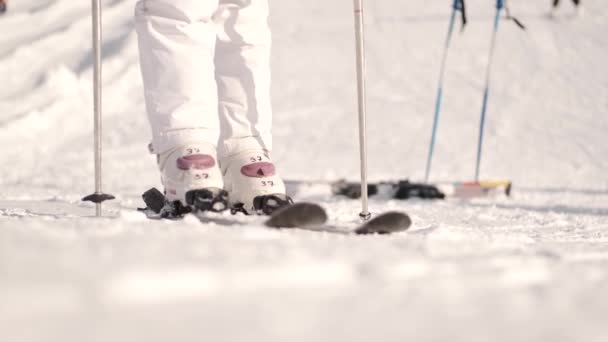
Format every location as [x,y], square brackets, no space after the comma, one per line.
[206,73]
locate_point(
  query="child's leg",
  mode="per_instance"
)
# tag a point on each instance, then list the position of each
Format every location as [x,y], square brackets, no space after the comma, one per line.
[243,76]
[177,46]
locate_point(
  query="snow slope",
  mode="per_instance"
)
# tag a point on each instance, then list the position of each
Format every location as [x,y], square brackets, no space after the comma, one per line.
[529,268]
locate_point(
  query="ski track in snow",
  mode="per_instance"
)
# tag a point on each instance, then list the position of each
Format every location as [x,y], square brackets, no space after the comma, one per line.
[533,267]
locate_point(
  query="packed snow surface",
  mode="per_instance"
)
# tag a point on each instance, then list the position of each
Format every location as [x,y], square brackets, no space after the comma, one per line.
[533,267]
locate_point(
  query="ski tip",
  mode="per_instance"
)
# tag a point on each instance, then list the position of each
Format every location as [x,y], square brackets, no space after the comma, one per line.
[387,223]
[154,199]
[298,215]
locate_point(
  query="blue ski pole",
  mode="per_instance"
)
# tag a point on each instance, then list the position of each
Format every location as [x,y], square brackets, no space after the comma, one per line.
[458,6]
[486,95]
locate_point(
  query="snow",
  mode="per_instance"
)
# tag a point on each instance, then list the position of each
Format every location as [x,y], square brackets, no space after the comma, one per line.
[533,267]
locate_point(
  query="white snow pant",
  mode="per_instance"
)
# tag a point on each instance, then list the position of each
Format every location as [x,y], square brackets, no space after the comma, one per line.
[206,72]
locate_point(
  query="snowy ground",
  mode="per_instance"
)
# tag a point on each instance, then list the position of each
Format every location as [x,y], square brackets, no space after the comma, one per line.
[533,267]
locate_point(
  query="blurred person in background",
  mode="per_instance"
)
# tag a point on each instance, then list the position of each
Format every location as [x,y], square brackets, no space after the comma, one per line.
[206,76]
[2,6]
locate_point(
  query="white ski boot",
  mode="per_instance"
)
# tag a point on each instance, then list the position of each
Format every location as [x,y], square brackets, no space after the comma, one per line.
[252,183]
[191,175]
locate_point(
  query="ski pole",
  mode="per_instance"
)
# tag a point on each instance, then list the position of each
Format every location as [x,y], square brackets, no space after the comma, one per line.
[486,95]
[98,197]
[361,92]
[457,6]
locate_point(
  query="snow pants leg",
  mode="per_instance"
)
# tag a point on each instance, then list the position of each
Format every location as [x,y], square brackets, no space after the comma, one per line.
[242,64]
[177,46]
[206,72]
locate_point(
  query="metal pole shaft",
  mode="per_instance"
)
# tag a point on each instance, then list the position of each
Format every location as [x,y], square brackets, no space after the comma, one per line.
[97,98]
[486,94]
[361,92]
[448,41]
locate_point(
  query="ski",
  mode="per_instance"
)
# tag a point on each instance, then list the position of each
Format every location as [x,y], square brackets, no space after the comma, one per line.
[312,217]
[404,189]
[302,215]
[398,190]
